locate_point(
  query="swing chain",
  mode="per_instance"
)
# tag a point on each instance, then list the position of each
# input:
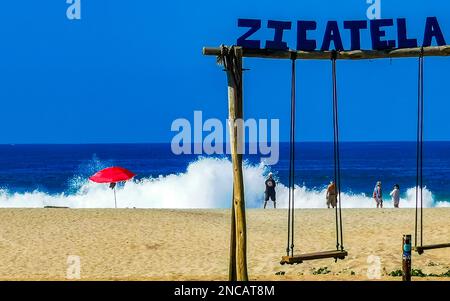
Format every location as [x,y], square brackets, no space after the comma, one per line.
[337,165]
[419,153]
[291,200]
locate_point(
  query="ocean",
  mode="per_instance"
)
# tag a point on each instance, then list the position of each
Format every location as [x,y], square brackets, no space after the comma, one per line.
[57,175]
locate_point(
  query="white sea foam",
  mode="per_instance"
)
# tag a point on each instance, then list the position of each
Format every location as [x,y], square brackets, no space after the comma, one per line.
[207,183]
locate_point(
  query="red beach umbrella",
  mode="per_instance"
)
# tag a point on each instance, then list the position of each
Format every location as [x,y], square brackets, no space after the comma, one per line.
[112,175]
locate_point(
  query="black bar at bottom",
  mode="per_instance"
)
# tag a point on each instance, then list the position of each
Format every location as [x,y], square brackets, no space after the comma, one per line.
[221,290]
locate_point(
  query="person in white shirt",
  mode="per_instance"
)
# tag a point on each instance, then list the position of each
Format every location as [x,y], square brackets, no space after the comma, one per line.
[395,194]
[378,195]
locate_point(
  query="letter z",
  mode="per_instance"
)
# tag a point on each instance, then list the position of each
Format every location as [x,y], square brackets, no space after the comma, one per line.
[254,25]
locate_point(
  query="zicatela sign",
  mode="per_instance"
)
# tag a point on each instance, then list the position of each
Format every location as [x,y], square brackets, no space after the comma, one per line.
[333,34]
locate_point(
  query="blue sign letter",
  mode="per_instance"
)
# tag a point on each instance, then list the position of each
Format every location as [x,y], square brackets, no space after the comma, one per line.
[277,42]
[403,41]
[432,29]
[332,34]
[355,32]
[254,25]
[377,34]
[302,42]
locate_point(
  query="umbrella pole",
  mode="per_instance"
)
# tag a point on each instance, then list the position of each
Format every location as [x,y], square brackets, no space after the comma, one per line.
[115,200]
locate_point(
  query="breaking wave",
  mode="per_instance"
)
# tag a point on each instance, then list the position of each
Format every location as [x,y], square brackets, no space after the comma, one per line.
[206,183]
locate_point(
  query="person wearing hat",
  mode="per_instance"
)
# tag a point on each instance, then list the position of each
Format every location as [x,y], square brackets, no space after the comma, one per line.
[395,194]
[331,195]
[378,195]
[270,191]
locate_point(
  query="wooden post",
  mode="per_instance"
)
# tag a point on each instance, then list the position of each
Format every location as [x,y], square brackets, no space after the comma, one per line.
[232,262]
[233,66]
[406,258]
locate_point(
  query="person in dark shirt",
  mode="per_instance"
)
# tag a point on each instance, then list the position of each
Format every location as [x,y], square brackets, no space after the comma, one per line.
[270,191]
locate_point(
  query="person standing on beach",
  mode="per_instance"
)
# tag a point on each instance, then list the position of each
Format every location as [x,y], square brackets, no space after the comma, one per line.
[270,191]
[378,195]
[331,195]
[395,194]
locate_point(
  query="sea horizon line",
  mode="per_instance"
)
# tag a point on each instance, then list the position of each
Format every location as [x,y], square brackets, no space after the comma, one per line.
[159,142]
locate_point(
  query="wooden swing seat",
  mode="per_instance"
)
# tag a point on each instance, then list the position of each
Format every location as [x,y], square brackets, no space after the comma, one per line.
[421,249]
[336,254]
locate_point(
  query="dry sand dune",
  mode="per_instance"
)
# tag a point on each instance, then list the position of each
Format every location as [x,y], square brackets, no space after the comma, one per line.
[193,244]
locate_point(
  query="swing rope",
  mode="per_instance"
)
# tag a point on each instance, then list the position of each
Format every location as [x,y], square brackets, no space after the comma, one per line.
[336,153]
[419,153]
[418,241]
[336,157]
[291,206]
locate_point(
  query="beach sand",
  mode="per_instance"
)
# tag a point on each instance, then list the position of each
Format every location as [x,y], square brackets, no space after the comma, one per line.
[149,244]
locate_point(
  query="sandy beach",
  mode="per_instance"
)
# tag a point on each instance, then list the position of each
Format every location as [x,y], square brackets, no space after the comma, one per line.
[135,244]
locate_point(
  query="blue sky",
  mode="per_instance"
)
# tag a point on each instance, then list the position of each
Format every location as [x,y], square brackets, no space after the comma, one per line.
[127,69]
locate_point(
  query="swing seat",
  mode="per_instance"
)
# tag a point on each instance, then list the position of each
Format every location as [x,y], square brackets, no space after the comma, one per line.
[336,254]
[421,249]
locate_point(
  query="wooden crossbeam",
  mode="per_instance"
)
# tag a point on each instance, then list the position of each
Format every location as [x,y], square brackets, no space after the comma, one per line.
[340,55]
[336,254]
[422,249]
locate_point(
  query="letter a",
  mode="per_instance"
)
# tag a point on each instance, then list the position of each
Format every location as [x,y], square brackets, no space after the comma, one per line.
[74,10]
[374,10]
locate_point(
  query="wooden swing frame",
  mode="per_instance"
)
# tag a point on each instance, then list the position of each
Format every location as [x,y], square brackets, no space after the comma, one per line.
[421,249]
[234,69]
[336,254]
